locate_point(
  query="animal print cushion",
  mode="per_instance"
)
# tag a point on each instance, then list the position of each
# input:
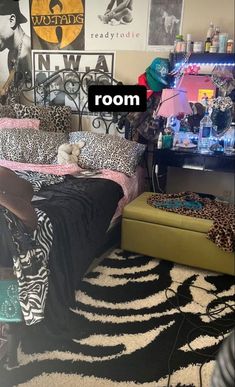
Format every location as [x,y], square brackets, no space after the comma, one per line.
[52,118]
[30,145]
[7,111]
[106,151]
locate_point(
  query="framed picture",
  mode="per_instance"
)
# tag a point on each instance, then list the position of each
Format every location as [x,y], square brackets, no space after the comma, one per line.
[62,72]
[165,20]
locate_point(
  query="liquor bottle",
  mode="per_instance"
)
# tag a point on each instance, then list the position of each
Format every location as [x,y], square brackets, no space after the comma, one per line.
[210,31]
[205,133]
[215,39]
[208,44]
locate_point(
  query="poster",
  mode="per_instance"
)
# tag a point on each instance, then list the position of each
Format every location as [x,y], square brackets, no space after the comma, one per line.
[15,46]
[116,24]
[57,24]
[165,20]
[66,69]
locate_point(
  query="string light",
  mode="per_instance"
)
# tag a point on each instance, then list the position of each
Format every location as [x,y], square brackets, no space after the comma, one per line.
[205,64]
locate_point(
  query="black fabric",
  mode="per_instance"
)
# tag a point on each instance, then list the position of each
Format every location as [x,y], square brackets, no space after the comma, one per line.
[80,211]
[7,247]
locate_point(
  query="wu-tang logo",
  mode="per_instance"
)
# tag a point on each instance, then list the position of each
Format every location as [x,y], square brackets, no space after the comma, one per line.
[57,21]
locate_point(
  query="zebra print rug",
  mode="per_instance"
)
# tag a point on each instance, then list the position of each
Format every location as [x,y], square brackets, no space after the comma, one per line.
[149,322]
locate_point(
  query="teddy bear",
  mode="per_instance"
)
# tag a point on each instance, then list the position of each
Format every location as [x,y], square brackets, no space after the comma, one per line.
[69,153]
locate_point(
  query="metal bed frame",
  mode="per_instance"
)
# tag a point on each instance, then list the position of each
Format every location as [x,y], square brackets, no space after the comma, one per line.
[74,87]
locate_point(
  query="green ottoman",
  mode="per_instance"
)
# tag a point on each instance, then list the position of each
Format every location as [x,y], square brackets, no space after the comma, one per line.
[178,238]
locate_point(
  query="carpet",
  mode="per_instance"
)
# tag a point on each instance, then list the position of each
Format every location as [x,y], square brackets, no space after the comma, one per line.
[149,322]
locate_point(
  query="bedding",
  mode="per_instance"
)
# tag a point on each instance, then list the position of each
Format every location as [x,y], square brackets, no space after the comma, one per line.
[81,207]
[30,254]
[132,185]
[52,119]
[30,145]
[80,211]
[106,151]
[7,111]
[20,123]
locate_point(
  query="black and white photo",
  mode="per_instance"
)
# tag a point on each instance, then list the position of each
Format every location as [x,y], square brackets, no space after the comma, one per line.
[15,42]
[63,86]
[116,24]
[117,12]
[164,22]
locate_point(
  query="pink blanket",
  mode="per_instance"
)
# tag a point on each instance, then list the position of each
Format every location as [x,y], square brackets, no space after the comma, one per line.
[132,186]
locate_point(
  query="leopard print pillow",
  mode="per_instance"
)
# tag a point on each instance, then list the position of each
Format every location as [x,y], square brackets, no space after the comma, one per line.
[7,111]
[30,145]
[106,151]
[52,118]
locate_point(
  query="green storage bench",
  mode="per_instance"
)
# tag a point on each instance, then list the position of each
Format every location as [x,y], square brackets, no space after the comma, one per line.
[178,238]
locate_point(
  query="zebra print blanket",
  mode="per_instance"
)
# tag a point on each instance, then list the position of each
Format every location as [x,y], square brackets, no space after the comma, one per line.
[137,321]
[30,263]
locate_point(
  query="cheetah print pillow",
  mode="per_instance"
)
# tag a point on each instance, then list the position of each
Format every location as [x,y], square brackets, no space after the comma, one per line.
[52,118]
[30,145]
[7,111]
[106,151]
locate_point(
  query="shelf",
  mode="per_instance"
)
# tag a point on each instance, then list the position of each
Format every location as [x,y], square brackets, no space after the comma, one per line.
[203,58]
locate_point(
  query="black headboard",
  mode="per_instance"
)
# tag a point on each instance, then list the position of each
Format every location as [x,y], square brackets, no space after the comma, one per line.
[68,87]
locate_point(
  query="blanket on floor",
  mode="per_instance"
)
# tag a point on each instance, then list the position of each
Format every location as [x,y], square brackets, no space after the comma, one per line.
[222,233]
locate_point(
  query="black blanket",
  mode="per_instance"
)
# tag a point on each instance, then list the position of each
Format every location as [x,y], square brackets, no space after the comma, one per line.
[80,211]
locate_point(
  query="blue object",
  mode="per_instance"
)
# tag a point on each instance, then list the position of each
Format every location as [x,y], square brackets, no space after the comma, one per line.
[10,309]
[175,203]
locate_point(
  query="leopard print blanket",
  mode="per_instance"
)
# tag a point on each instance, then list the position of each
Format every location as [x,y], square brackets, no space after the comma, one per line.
[222,232]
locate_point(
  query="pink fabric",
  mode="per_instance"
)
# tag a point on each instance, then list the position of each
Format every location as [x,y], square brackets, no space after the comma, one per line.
[132,186]
[20,123]
[54,169]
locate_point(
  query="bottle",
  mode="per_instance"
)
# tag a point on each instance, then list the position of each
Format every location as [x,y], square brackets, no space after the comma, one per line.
[223,39]
[229,46]
[177,43]
[205,132]
[208,44]
[159,141]
[189,43]
[198,46]
[210,31]
[215,39]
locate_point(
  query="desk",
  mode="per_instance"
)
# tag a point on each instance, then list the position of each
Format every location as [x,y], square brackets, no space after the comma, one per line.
[190,159]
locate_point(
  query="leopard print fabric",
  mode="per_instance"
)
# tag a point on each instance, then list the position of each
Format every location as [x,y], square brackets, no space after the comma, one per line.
[7,111]
[52,118]
[106,151]
[30,145]
[222,232]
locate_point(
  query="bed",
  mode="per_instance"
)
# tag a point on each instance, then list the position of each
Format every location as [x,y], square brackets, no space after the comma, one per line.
[84,201]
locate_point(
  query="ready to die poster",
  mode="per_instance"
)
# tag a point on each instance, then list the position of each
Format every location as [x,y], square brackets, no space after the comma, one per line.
[116,24]
[46,63]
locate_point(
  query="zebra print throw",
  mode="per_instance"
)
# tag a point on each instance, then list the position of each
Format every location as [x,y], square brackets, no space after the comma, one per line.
[40,180]
[137,321]
[30,263]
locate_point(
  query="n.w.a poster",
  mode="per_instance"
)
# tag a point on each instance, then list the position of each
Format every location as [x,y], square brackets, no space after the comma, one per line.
[57,24]
[63,71]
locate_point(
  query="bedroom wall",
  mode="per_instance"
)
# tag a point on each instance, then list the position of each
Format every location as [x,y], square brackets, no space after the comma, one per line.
[197,15]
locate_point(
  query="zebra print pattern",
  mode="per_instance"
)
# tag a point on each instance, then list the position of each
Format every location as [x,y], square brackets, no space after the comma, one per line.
[31,265]
[139,321]
[40,180]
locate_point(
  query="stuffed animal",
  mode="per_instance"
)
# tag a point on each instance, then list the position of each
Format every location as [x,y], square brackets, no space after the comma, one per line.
[69,153]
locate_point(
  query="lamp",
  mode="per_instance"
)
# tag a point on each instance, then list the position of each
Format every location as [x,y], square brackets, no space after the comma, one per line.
[173,103]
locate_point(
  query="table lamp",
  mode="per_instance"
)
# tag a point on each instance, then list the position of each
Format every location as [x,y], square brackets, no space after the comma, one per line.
[173,103]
